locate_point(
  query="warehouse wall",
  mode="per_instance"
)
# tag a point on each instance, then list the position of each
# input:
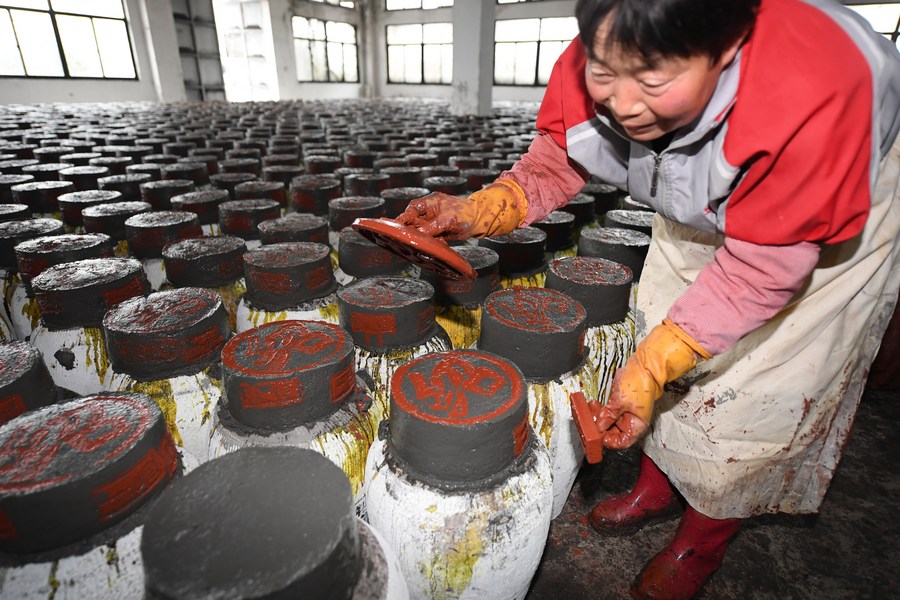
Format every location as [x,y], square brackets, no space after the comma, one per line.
[281,12]
[156,61]
[381,18]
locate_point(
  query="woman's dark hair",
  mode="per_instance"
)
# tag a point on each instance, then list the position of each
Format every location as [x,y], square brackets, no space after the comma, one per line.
[668,27]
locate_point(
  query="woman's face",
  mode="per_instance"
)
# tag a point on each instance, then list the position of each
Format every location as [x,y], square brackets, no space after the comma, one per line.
[650,99]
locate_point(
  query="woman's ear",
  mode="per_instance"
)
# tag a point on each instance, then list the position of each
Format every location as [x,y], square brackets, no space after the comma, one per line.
[732,50]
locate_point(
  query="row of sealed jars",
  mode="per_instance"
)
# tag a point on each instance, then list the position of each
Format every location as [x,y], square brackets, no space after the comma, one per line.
[279,342]
[98,501]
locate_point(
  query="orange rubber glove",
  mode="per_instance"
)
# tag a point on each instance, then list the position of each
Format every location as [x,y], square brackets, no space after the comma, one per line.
[664,355]
[494,210]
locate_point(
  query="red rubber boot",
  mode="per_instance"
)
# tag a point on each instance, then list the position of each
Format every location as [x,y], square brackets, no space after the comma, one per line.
[651,500]
[681,568]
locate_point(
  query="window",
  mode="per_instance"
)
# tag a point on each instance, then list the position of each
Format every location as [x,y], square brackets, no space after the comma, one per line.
[526,49]
[884,18]
[342,3]
[407,4]
[420,53]
[65,38]
[325,50]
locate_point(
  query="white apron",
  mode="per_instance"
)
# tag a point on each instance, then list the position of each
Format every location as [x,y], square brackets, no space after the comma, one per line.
[761,427]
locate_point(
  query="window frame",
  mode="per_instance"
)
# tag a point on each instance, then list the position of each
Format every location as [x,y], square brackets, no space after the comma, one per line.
[59,47]
[421,45]
[537,59]
[335,5]
[394,10]
[325,22]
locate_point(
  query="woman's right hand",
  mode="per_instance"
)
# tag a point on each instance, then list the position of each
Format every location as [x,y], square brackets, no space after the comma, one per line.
[497,209]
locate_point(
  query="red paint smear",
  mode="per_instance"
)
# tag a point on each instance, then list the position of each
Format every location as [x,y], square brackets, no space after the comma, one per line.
[373,325]
[276,283]
[271,394]
[7,529]
[11,407]
[520,436]
[343,383]
[120,495]
[133,288]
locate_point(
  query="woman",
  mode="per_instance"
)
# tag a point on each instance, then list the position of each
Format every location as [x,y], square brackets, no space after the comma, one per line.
[763,134]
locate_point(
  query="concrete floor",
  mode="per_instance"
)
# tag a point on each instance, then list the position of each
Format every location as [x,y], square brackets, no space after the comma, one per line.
[848,551]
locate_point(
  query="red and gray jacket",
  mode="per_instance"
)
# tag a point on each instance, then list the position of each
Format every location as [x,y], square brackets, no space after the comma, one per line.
[785,154]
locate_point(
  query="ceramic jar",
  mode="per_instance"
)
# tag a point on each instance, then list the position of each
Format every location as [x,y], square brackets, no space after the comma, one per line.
[276,522]
[86,472]
[293,383]
[73,298]
[456,482]
[542,332]
[168,346]
[287,281]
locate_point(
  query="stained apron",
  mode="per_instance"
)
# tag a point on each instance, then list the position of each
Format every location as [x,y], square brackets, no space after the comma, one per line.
[761,427]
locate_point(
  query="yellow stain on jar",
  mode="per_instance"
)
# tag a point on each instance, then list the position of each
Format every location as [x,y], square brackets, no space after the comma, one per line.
[330,313]
[96,355]
[536,280]
[231,295]
[462,324]
[449,571]
[541,414]
[161,392]
[31,310]
[355,438]
[261,317]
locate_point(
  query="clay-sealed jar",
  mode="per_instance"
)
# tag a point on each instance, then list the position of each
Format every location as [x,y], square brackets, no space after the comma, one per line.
[293,383]
[295,533]
[560,229]
[109,218]
[71,205]
[606,197]
[168,346]
[523,260]
[213,263]
[25,383]
[270,190]
[34,256]
[242,218]
[13,233]
[14,212]
[73,298]
[204,204]
[86,473]
[41,196]
[397,199]
[458,302]
[149,233]
[628,247]
[291,280]
[84,177]
[311,193]
[128,185]
[638,220]
[391,321]
[159,194]
[343,211]
[542,332]
[604,289]
[229,181]
[359,258]
[582,207]
[457,476]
